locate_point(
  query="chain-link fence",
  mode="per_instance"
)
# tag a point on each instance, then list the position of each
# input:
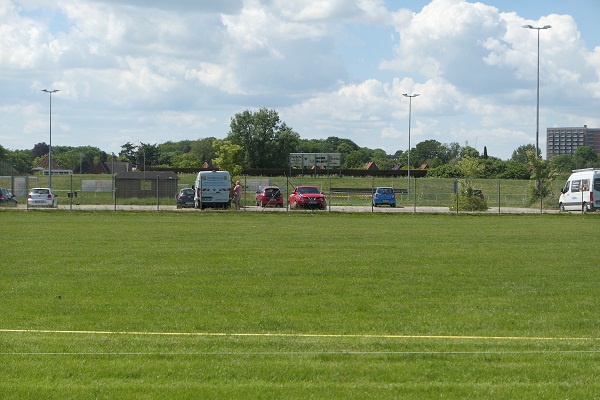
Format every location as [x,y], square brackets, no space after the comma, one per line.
[423,194]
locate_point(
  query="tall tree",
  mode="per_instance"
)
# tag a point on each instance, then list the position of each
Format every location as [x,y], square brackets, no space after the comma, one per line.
[563,163]
[522,153]
[585,157]
[541,177]
[128,152]
[205,149]
[266,140]
[431,152]
[229,156]
[39,150]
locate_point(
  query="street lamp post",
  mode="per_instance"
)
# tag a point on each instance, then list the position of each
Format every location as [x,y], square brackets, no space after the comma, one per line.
[50,145]
[537,120]
[410,97]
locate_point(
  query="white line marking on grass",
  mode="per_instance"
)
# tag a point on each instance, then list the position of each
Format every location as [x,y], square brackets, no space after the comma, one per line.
[283,353]
[298,335]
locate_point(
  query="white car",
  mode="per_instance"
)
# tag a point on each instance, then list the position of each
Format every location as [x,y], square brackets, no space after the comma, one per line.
[42,197]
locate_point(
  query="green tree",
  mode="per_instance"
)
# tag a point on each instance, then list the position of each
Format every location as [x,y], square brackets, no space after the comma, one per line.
[147,154]
[21,160]
[563,163]
[205,150]
[229,157]
[585,157]
[468,200]
[541,177]
[187,160]
[514,170]
[169,150]
[522,153]
[128,152]
[265,139]
[39,150]
[469,152]
[431,152]
[357,159]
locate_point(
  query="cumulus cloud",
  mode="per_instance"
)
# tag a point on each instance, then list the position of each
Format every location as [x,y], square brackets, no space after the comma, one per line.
[160,70]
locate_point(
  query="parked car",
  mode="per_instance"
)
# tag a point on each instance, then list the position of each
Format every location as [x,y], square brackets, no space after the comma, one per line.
[7,198]
[185,198]
[307,197]
[384,195]
[478,193]
[269,196]
[42,197]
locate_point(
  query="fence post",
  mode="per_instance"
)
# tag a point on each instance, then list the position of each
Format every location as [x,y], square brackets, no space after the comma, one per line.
[498,196]
[415,194]
[372,192]
[456,194]
[157,193]
[329,189]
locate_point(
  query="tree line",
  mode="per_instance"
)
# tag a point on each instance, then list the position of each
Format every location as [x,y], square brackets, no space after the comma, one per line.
[261,140]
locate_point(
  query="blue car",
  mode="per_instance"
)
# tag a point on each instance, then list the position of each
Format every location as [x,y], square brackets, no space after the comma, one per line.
[384,195]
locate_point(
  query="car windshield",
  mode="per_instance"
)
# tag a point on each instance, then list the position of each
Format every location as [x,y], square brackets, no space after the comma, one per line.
[188,192]
[308,190]
[386,190]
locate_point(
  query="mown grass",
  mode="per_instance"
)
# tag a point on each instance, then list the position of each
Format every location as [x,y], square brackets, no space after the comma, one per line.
[297,305]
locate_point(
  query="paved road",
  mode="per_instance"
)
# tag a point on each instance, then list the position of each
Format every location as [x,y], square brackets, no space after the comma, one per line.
[349,209]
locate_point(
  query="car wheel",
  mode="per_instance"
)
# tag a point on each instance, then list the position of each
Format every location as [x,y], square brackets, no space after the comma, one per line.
[374,205]
[393,205]
[584,208]
[561,207]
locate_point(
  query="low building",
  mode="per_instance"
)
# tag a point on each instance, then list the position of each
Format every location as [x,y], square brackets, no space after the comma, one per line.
[146,184]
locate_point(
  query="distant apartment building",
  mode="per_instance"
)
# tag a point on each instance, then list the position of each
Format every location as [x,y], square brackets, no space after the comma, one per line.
[561,141]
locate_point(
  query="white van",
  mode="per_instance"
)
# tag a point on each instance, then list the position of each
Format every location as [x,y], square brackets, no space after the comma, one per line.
[582,191]
[212,189]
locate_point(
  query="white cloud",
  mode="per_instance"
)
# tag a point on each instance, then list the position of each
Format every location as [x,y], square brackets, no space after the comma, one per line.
[151,69]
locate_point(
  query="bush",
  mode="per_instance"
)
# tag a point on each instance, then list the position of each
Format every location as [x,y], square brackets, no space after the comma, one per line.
[468,200]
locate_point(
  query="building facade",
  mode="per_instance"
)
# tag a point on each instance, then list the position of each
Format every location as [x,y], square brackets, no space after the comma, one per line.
[561,141]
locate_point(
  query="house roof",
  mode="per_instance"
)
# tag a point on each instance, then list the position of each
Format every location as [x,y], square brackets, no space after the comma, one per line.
[43,164]
[371,166]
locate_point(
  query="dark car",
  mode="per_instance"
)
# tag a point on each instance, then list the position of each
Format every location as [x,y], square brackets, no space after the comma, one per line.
[185,198]
[478,193]
[269,196]
[7,198]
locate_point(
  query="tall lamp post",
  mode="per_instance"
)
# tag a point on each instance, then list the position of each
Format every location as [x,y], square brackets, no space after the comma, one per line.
[410,97]
[537,120]
[50,145]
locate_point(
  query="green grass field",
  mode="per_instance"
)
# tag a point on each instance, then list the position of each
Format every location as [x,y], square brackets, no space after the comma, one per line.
[298,305]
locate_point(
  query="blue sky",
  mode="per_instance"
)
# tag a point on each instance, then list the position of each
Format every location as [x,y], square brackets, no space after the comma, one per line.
[155,71]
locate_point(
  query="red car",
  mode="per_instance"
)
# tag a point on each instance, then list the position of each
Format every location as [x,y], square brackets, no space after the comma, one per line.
[269,196]
[307,197]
